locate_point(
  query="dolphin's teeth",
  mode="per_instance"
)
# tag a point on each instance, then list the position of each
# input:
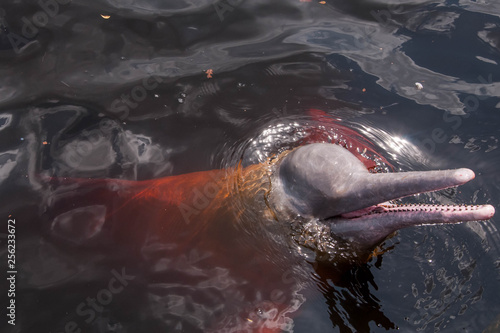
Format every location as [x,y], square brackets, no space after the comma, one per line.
[421,208]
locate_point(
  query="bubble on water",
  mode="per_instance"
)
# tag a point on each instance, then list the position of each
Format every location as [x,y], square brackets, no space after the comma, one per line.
[182,98]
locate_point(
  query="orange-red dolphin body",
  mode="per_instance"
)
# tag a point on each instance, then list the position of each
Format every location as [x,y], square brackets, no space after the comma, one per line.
[215,256]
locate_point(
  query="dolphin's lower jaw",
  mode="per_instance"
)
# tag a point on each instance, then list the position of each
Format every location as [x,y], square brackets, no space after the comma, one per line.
[366,228]
[419,214]
[351,238]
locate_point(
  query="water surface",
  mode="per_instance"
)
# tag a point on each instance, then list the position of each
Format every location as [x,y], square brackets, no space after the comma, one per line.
[142,89]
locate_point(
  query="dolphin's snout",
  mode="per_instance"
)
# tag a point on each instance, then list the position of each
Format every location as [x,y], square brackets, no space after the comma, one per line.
[464,175]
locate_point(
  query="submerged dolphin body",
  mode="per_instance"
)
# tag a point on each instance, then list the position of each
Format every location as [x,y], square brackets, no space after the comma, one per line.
[219,248]
[327,183]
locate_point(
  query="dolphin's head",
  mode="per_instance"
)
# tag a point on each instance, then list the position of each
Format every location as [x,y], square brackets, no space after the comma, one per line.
[327,184]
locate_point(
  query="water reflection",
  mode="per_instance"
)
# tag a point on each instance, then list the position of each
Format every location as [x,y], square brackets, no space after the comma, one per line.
[352,305]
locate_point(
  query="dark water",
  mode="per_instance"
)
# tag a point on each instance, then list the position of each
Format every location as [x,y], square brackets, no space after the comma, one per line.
[164,88]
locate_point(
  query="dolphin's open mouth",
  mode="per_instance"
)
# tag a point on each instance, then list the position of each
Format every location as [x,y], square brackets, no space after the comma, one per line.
[394,216]
[370,225]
